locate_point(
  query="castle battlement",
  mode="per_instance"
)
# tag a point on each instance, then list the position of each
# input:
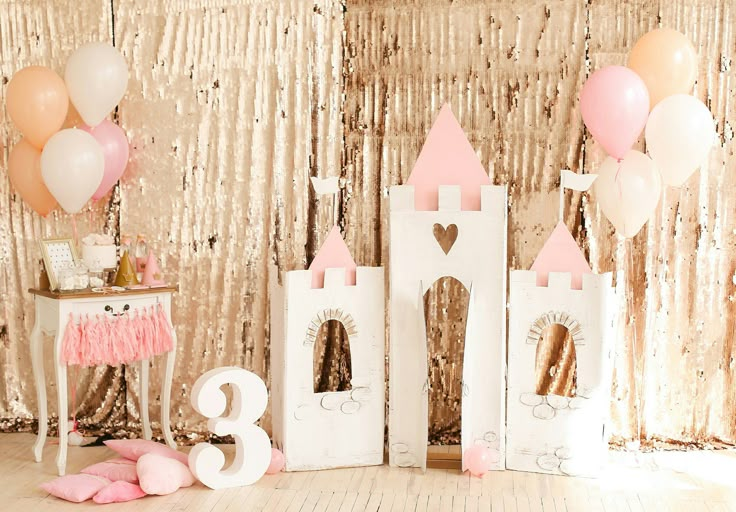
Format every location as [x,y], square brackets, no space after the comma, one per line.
[561,281]
[401,198]
[366,278]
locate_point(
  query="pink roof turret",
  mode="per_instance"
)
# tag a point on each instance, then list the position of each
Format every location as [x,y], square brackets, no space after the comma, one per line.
[561,253]
[447,158]
[333,254]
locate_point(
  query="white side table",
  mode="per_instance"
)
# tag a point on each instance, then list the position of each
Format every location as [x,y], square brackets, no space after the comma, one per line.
[52,314]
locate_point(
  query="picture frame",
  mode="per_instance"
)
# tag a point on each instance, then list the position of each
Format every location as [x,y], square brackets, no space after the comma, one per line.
[57,253]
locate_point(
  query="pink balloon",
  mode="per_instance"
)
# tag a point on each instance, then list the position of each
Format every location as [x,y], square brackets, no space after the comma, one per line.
[478,460]
[277,462]
[615,105]
[115,148]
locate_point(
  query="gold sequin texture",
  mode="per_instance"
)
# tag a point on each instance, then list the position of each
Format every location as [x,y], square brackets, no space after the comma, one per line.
[233,104]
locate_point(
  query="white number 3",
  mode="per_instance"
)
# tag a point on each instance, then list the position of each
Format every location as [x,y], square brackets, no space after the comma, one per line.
[249,401]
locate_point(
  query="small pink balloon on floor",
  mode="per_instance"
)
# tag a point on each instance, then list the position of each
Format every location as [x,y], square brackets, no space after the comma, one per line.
[478,460]
[277,462]
[114,145]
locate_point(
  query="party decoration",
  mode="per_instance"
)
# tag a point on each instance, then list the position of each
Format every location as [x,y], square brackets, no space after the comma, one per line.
[614,103]
[628,191]
[114,144]
[559,365]
[37,102]
[337,428]
[96,77]
[250,397]
[126,275]
[277,462]
[72,166]
[680,134]
[24,171]
[474,253]
[152,273]
[325,186]
[437,167]
[478,460]
[667,62]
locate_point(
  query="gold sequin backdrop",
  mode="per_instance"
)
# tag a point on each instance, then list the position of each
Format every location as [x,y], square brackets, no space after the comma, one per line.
[233,104]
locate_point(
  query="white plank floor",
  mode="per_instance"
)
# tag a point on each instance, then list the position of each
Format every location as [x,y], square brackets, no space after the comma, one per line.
[665,481]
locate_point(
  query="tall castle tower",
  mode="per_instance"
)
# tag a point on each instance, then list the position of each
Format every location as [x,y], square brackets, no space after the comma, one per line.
[448,220]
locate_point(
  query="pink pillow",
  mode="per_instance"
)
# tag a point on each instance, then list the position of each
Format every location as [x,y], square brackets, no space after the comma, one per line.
[76,488]
[133,449]
[162,475]
[118,492]
[114,470]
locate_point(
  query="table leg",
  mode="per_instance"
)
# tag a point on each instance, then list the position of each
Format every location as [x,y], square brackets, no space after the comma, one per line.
[61,389]
[38,373]
[166,398]
[144,399]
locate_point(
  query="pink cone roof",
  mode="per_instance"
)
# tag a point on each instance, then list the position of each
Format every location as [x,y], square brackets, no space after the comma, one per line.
[447,158]
[333,254]
[561,253]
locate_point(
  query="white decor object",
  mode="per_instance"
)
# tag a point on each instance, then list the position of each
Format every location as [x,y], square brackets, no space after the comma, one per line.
[547,433]
[334,429]
[252,446]
[53,311]
[99,252]
[448,221]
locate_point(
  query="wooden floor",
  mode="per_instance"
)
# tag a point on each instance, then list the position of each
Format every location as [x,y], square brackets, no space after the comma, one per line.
[662,482]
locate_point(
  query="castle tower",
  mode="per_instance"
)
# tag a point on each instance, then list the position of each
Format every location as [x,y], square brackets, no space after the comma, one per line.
[333,429]
[561,322]
[447,221]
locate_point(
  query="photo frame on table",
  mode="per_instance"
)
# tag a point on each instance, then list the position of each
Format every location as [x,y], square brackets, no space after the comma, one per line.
[57,253]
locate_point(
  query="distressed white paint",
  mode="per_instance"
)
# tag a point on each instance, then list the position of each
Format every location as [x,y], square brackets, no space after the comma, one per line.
[252,446]
[328,430]
[478,260]
[552,434]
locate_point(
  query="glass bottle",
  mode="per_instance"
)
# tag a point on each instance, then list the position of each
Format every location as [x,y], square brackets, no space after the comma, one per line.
[141,254]
[126,244]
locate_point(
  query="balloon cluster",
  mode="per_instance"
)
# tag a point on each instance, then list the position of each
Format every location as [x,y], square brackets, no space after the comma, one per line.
[51,166]
[618,102]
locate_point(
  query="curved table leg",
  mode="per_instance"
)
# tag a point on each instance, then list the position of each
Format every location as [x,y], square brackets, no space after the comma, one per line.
[166,398]
[144,399]
[61,389]
[38,373]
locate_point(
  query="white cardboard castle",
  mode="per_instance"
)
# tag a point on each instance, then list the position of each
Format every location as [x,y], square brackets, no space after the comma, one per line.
[333,429]
[561,324]
[448,220]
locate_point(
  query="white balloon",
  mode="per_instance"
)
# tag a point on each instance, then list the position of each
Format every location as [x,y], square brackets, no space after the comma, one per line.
[96,77]
[72,167]
[628,191]
[680,133]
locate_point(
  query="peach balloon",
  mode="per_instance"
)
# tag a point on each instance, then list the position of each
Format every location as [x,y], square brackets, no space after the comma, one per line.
[24,171]
[667,62]
[37,102]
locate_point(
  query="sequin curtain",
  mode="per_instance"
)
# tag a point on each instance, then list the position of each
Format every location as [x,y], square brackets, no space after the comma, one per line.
[233,104]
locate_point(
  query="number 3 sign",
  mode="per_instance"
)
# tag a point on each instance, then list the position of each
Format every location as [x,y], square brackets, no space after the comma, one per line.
[250,398]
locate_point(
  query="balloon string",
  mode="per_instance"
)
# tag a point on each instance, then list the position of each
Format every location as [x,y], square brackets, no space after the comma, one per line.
[632,332]
[74,228]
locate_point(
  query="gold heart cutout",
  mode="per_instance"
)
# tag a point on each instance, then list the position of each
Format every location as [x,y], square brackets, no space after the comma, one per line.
[445,236]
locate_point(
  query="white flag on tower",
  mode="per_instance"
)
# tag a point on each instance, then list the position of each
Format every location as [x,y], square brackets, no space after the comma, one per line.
[575,181]
[324,186]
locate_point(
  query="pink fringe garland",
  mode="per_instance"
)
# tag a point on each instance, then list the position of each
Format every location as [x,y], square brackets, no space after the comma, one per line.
[105,340]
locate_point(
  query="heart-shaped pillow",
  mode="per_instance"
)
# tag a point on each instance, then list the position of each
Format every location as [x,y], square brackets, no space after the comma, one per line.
[162,475]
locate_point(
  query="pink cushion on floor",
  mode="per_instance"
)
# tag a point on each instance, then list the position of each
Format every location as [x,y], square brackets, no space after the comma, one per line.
[133,449]
[76,488]
[162,475]
[118,492]
[114,470]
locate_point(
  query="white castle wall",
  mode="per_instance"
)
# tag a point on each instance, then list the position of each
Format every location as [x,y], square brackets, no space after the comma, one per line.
[478,260]
[552,434]
[328,430]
